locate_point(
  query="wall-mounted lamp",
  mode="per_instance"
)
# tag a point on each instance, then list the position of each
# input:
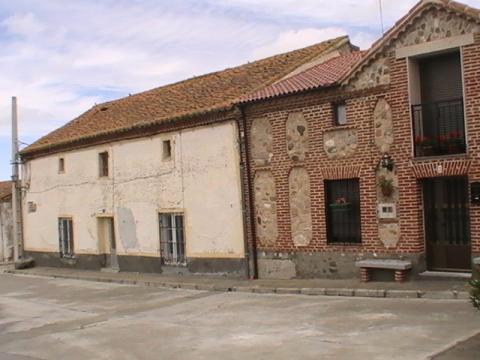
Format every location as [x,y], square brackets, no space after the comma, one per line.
[386,162]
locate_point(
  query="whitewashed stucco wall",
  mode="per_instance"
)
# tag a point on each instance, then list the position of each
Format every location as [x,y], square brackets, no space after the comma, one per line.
[202,179]
[6,231]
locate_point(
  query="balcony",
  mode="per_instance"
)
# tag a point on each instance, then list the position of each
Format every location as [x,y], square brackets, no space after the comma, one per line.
[439,128]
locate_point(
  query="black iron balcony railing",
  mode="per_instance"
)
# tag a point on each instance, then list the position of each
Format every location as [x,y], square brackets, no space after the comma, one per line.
[439,128]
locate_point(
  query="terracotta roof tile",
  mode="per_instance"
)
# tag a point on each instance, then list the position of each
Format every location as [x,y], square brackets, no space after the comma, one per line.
[5,190]
[202,94]
[321,75]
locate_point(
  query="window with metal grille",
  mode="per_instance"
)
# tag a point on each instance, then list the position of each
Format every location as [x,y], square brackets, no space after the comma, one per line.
[103,164]
[343,211]
[172,239]
[65,236]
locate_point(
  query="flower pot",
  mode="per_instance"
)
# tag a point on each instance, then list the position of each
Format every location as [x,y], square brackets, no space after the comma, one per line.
[387,191]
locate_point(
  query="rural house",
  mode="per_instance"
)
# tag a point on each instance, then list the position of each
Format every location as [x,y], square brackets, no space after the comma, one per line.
[151,182]
[372,155]
[323,162]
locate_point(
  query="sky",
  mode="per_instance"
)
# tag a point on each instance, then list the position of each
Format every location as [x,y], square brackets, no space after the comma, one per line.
[60,57]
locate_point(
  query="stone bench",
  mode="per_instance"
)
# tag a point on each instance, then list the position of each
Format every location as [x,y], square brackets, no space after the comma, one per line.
[400,267]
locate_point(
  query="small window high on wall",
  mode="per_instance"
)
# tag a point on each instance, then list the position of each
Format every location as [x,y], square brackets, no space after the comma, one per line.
[103,164]
[166,149]
[343,211]
[61,165]
[340,112]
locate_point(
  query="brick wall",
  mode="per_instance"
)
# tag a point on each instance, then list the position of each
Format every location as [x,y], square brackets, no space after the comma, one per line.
[317,110]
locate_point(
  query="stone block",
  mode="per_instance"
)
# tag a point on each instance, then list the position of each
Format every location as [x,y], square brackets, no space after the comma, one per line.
[300,206]
[440,295]
[288,291]
[312,291]
[402,294]
[265,207]
[276,269]
[339,292]
[391,264]
[370,293]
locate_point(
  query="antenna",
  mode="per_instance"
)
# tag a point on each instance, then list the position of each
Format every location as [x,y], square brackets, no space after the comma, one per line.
[381,15]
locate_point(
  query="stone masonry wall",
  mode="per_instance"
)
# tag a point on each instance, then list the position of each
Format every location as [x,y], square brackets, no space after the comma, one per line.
[300,206]
[296,136]
[261,141]
[265,208]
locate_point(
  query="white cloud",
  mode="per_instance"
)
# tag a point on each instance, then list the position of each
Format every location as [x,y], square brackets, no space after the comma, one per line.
[296,39]
[23,24]
[61,57]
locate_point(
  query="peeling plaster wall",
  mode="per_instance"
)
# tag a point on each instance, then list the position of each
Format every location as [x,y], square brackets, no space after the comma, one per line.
[202,179]
[6,231]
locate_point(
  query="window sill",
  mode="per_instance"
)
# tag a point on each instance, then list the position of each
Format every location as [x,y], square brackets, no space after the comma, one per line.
[440,157]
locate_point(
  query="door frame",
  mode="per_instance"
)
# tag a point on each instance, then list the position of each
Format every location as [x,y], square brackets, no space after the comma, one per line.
[108,220]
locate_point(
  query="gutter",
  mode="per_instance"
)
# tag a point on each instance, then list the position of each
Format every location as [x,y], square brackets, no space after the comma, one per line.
[247,200]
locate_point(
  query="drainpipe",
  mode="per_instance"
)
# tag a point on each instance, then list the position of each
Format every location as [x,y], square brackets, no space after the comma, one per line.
[247,199]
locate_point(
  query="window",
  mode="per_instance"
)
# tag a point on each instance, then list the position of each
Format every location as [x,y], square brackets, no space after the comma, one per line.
[343,211]
[65,236]
[172,242]
[103,164]
[340,110]
[437,105]
[61,165]
[167,149]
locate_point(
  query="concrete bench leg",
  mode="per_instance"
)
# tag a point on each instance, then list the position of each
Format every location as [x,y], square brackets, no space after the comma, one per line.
[364,275]
[400,275]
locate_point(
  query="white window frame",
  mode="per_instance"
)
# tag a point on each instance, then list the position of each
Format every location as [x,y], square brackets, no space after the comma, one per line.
[66,245]
[175,257]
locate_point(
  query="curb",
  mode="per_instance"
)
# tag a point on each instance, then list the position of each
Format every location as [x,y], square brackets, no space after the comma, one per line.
[256,289]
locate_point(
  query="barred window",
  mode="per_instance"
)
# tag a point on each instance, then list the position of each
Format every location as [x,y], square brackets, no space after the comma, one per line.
[65,236]
[343,211]
[172,239]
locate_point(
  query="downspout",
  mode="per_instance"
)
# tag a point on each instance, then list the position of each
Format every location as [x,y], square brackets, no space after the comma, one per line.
[247,200]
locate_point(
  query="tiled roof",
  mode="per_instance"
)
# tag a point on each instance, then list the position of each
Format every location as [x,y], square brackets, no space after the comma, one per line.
[198,95]
[5,190]
[322,75]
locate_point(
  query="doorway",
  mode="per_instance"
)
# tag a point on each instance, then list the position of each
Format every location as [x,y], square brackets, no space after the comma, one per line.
[447,226]
[107,243]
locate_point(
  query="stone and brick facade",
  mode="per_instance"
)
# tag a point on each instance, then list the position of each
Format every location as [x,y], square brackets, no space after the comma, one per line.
[302,148]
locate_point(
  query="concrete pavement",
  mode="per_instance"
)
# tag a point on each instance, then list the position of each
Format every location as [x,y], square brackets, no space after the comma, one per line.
[42,318]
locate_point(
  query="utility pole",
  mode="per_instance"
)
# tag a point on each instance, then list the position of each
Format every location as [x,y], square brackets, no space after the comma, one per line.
[16,189]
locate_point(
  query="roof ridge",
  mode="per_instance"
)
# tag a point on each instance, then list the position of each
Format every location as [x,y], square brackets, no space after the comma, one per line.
[420,7]
[320,75]
[196,77]
[203,94]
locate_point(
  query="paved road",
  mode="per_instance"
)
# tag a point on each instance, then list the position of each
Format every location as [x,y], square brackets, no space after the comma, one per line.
[43,318]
